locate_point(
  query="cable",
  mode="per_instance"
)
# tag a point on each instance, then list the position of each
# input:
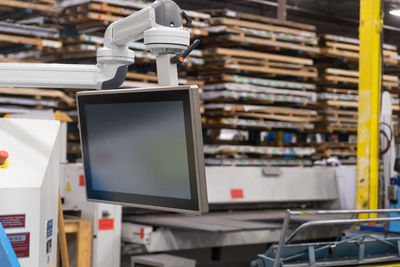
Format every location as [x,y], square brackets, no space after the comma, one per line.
[388,140]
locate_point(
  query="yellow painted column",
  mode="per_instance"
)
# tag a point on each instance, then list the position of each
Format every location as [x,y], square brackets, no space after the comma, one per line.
[369,93]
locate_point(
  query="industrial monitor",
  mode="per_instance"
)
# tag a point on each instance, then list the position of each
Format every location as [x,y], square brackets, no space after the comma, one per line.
[144,148]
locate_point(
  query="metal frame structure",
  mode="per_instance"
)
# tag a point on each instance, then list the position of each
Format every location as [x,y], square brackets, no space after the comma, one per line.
[309,249]
[369,92]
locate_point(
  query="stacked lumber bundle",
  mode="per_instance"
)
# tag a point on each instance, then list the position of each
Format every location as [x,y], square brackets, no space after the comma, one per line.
[239,155]
[338,93]
[347,48]
[350,77]
[24,100]
[236,61]
[260,33]
[92,14]
[91,18]
[27,28]
[31,8]
[337,149]
[260,102]
[339,98]
[258,93]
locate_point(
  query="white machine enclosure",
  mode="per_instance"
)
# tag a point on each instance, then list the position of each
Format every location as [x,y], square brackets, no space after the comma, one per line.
[230,185]
[29,186]
[106,218]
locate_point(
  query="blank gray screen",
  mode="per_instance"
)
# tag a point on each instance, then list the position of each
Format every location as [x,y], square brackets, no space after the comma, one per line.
[138,148]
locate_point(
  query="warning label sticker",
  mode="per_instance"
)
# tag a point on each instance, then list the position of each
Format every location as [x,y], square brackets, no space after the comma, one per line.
[13,221]
[237,193]
[81,180]
[20,244]
[106,224]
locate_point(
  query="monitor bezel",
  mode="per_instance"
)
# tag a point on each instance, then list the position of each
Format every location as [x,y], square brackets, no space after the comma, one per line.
[198,203]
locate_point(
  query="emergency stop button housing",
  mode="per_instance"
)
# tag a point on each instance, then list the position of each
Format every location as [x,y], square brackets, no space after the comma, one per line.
[3,157]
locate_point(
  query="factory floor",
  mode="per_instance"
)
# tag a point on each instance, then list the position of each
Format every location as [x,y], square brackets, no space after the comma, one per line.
[234,256]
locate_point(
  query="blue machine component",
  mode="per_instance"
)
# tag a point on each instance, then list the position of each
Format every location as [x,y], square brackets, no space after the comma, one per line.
[349,252]
[7,254]
[394,227]
[287,137]
[357,250]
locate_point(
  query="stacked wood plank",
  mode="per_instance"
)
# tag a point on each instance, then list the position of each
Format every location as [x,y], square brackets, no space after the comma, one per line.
[257,85]
[260,33]
[338,92]
[264,101]
[337,149]
[24,100]
[350,77]
[27,42]
[100,13]
[27,28]
[17,9]
[348,48]
[339,98]
[91,18]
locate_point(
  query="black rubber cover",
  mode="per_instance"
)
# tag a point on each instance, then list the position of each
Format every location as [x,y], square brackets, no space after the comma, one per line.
[118,79]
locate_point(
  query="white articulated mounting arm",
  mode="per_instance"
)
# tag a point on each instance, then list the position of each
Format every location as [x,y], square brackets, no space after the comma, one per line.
[160,25]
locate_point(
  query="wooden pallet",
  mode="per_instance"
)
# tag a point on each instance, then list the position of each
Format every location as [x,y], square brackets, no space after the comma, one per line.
[38,43]
[336,149]
[330,128]
[40,94]
[231,40]
[340,76]
[347,104]
[232,66]
[101,13]
[351,73]
[45,7]
[261,112]
[338,113]
[345,47]
[258,150]
[340,91]
[83,231]
[265,34]
[336,152]
[264,58]
[255,98]
[222,78]
[266,112]
[150,79]
[260,19]
[243,122]
[257,162]
[232,29]
[218,21]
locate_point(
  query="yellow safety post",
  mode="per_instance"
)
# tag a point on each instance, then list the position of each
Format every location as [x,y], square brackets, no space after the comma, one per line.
[369,93]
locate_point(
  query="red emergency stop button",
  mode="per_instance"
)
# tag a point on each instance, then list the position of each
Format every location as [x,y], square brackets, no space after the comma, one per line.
[3,157]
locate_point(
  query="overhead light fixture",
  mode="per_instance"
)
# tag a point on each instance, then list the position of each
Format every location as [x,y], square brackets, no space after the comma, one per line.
[395,12]
[394,9]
